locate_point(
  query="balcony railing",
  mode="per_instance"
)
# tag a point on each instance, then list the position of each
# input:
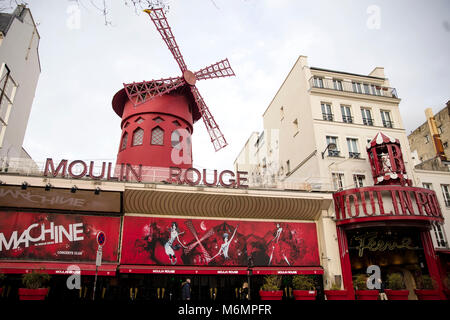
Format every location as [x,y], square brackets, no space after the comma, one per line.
[347,86]
[347,119]
[354,155]
[368,121]
[388,124]
[327,116]
[333,153]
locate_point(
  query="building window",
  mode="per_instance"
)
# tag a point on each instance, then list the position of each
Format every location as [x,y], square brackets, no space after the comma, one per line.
[359,180]
[366,117]
[158,136]
[428,186]
[376,90]
[366,88]
[335,152]
[386,118]
[356,87]
[138,137]
[318,82]
[445,144]
[440,129]
[326,112]
[338,181]
[346,114]
[337,84]
[124,141]
[158,119]
[427,138]
[439,235]
[446,194]
[139,120]
[353,148]
[7,93]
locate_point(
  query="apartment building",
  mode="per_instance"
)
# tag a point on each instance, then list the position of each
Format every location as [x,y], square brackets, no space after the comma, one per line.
[19,73]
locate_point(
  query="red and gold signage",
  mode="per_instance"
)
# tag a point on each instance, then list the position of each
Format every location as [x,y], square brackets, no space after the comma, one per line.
[57,237]
[386,202]
[198,242]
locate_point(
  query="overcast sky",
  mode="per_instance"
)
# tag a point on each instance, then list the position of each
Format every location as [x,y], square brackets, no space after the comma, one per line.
[84,65]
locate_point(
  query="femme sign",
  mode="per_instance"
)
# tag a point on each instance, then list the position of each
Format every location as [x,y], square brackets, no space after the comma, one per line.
[386,202]
[79,169]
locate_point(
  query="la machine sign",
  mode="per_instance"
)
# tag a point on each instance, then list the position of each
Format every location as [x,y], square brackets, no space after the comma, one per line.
[79,169]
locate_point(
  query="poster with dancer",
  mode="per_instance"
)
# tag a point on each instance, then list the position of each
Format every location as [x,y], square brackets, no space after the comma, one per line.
[207,242]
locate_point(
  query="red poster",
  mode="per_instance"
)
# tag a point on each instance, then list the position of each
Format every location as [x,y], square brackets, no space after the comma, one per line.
[163,241]
[58,237]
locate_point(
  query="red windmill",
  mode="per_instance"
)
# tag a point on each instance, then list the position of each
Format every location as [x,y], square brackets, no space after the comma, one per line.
[151,110]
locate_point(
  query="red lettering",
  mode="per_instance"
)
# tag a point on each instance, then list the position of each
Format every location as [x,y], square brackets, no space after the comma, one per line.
[187,177]
[355,204]
[72,164]
[136,175]
[394,202]
[49,163]
[232,182]
[241,179]
[208,183]
[420,200]
[109,176]
[339,206]
[91,171]
[405,201]
[175,172]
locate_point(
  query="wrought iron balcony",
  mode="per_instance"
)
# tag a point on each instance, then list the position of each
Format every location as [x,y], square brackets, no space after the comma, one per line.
[333,153]
[388,124]
[349,86]
[368,121]
[327,116]
[347,119]
[354,155]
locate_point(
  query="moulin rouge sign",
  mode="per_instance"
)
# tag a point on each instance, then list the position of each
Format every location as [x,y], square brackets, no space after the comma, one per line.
[389,202]
[78,169]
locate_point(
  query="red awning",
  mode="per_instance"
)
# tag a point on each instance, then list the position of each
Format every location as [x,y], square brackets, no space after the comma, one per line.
[183,270]
[287,270]
[57,268]
[218,270]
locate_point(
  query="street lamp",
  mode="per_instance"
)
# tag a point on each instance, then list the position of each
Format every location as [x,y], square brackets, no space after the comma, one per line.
[249,274]
[330,146]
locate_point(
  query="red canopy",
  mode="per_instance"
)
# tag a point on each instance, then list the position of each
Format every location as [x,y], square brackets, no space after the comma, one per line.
[57,268]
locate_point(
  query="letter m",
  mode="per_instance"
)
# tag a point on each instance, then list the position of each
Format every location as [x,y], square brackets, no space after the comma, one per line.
[339,206]
[4,243]
[50,166]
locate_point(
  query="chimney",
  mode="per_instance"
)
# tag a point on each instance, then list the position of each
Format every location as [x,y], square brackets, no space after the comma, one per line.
[438,147]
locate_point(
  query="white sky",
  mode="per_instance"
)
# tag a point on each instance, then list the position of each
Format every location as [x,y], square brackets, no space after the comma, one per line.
[83,68]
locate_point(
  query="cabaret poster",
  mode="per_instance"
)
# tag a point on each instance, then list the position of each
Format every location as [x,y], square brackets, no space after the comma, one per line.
[165,241]
[60,237]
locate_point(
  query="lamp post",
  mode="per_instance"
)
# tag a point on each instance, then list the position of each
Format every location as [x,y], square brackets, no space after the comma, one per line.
[330,146]
[249,274]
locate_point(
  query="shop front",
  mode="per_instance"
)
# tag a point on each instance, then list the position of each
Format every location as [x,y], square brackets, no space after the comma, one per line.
[218,240]
[388,225]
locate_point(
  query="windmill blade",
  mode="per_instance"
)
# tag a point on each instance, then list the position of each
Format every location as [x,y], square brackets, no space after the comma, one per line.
[216,135]
[217,70]
[159,19]
[194,232]
[141,92]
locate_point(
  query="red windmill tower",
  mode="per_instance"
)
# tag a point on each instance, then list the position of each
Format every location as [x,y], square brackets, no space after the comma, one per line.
[154,113]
